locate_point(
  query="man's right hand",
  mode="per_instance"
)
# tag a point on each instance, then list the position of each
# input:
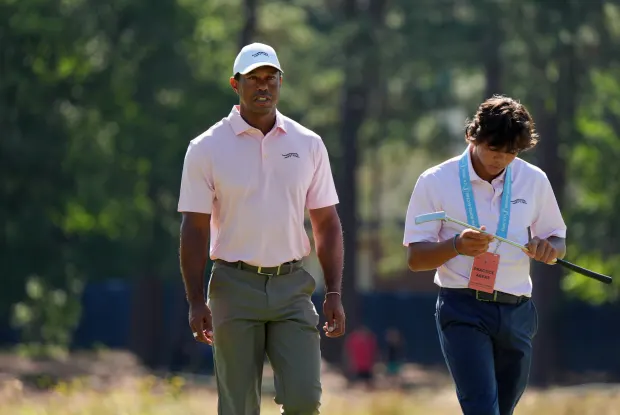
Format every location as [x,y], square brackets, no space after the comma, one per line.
[472,242]
[201,322]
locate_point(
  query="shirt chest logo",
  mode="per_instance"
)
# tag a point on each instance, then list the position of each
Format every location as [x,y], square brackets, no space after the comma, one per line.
[289,155]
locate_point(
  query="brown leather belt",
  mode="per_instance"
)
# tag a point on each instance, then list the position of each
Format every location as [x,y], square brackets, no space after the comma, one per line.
[494,297]
[282,269]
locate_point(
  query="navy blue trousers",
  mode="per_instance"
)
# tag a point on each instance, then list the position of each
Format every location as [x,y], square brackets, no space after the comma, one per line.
[487,347]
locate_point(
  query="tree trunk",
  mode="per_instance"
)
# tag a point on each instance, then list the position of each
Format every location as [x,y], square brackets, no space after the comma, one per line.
[376,197]
[146,335]
[557,127]
[382,116]
[249,28]
[546,279]
[147,316]
[359,71]
[491,52]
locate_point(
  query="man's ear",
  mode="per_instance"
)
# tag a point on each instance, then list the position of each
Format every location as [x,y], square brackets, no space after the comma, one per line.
[234,84]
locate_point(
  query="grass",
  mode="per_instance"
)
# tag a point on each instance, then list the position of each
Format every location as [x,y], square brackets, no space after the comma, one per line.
[154,396]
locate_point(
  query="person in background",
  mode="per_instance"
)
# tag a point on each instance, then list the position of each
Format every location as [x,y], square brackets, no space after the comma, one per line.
[394,355]
[361,355]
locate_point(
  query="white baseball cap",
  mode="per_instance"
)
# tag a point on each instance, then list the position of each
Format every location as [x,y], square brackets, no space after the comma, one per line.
[253,56]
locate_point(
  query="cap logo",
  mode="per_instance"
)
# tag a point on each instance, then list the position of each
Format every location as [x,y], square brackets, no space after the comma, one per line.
[259,53]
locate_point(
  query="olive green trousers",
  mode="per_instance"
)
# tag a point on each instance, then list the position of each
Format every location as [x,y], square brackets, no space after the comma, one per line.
[255,316]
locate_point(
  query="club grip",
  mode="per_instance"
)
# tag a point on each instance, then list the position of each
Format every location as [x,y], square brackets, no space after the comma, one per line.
[586,272]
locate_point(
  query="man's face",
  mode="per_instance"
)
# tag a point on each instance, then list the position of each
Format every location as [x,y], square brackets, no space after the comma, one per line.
[494,160]
[258,90]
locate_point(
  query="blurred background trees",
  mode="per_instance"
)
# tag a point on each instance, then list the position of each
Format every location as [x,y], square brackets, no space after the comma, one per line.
[99,101]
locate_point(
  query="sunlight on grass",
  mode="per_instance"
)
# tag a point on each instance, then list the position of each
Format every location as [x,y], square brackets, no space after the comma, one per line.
[154,396]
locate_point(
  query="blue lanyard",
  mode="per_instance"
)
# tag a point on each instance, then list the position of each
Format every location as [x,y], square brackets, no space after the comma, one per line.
[470,203]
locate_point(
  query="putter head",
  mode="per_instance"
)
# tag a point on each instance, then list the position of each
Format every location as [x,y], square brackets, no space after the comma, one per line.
[429,217]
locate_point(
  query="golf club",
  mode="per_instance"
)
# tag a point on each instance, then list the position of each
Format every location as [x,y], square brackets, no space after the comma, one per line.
[441,216]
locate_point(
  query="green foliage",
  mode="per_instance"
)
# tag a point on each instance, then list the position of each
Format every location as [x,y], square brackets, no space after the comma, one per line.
[98,103]
[594,196]
[590,290]
[48,316]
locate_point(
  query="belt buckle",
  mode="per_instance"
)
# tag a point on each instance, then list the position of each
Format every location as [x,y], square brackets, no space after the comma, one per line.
[488,301]
[258,271]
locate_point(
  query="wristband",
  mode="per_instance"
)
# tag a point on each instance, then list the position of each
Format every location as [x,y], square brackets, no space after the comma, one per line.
[332,292]
[454,244]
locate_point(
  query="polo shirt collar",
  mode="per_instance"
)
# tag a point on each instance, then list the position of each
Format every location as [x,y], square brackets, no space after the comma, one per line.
[473,176]
[239,125]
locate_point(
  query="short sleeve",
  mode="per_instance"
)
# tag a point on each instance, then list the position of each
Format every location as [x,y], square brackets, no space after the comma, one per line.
[548,219]
[322,190]
[197,190]
[421,202]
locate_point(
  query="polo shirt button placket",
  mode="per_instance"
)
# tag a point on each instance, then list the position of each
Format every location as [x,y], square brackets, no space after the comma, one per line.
[262,148]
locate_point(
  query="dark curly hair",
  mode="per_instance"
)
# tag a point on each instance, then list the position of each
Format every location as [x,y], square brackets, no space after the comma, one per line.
[503,123]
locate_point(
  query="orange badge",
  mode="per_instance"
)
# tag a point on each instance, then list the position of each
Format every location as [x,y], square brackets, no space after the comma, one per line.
[484,272]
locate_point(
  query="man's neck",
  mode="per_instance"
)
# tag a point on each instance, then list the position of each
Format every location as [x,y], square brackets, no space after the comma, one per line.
[263,122]
[479,168]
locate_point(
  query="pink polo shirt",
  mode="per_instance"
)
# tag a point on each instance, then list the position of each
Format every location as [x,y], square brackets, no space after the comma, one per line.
[533,205]
[257,188]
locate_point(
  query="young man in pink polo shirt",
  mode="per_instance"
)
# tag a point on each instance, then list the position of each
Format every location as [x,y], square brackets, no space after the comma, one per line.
[245,186]
[485,316]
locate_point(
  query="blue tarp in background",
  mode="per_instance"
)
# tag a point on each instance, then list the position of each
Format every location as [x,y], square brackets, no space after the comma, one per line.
[588,342]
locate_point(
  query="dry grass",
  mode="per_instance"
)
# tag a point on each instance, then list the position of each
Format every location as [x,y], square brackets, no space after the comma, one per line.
[152,396]
[96,388]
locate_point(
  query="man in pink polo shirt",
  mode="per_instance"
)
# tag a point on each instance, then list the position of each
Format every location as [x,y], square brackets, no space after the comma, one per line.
[485,316]
[245,186]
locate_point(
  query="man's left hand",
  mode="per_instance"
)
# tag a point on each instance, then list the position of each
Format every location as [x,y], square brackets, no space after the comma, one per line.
[334,314]
[541,250]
